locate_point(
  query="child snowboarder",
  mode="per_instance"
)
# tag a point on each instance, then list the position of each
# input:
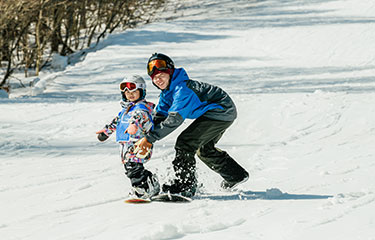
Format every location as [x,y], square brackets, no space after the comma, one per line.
[131,124]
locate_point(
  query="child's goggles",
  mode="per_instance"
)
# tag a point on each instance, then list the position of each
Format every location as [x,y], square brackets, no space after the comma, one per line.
[159,64]
[131,87]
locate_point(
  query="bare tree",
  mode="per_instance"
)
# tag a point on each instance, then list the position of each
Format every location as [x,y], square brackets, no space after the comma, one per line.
[32,30]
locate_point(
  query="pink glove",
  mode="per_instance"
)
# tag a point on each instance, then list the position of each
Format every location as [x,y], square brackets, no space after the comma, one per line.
[132,129]
[104,131]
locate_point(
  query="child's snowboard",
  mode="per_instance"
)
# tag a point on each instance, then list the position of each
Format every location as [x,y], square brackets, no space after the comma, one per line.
[135,200]
[163,197]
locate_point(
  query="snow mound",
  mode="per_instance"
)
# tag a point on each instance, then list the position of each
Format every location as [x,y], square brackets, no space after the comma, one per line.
[39,86]
[59,62]
[3,94]
[273,193]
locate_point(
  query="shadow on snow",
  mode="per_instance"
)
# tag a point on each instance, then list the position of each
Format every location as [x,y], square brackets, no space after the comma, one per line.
[271,14]
[269,194]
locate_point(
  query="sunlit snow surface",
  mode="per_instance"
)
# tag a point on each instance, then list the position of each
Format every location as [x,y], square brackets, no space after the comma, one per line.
[302,74]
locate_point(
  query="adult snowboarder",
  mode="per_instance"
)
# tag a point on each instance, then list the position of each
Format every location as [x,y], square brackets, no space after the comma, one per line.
[213,110]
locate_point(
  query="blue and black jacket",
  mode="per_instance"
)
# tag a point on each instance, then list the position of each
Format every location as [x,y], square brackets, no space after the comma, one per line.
[189,99]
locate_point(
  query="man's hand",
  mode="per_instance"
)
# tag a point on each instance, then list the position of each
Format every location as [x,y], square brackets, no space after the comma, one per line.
[142,148]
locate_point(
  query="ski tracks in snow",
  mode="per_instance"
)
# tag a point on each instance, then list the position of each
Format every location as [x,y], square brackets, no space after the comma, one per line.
[344,204]
[318,116]
[201,218]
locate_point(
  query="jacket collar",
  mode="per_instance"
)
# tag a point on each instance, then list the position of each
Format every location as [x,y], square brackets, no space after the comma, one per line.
[179,75]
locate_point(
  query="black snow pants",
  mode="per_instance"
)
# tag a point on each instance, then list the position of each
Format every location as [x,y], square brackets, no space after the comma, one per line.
[137,174]
[135,171]
[200,138]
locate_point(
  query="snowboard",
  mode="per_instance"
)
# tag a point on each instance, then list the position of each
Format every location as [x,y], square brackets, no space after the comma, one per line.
[163,197]
[135,200]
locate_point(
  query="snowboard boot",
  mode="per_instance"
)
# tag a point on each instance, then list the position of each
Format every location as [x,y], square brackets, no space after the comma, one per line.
[229,185]
[185,182]
[186,190]
[144,183]
[147,189]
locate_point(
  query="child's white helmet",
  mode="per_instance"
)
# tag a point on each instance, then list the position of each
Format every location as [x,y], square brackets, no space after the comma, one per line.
[133,83]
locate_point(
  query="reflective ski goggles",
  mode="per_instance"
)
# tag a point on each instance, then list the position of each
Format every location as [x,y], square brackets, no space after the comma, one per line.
[159,64]
[131,87]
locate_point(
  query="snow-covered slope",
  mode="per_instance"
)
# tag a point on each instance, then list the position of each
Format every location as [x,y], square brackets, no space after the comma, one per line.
[302,74]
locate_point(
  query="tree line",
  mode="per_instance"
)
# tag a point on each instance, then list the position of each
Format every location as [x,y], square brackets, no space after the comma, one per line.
[32,30]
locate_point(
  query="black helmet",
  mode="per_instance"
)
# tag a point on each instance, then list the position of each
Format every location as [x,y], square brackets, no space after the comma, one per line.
[159,56]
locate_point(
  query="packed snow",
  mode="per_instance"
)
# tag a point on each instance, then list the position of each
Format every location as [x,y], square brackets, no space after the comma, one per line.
[302,74]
